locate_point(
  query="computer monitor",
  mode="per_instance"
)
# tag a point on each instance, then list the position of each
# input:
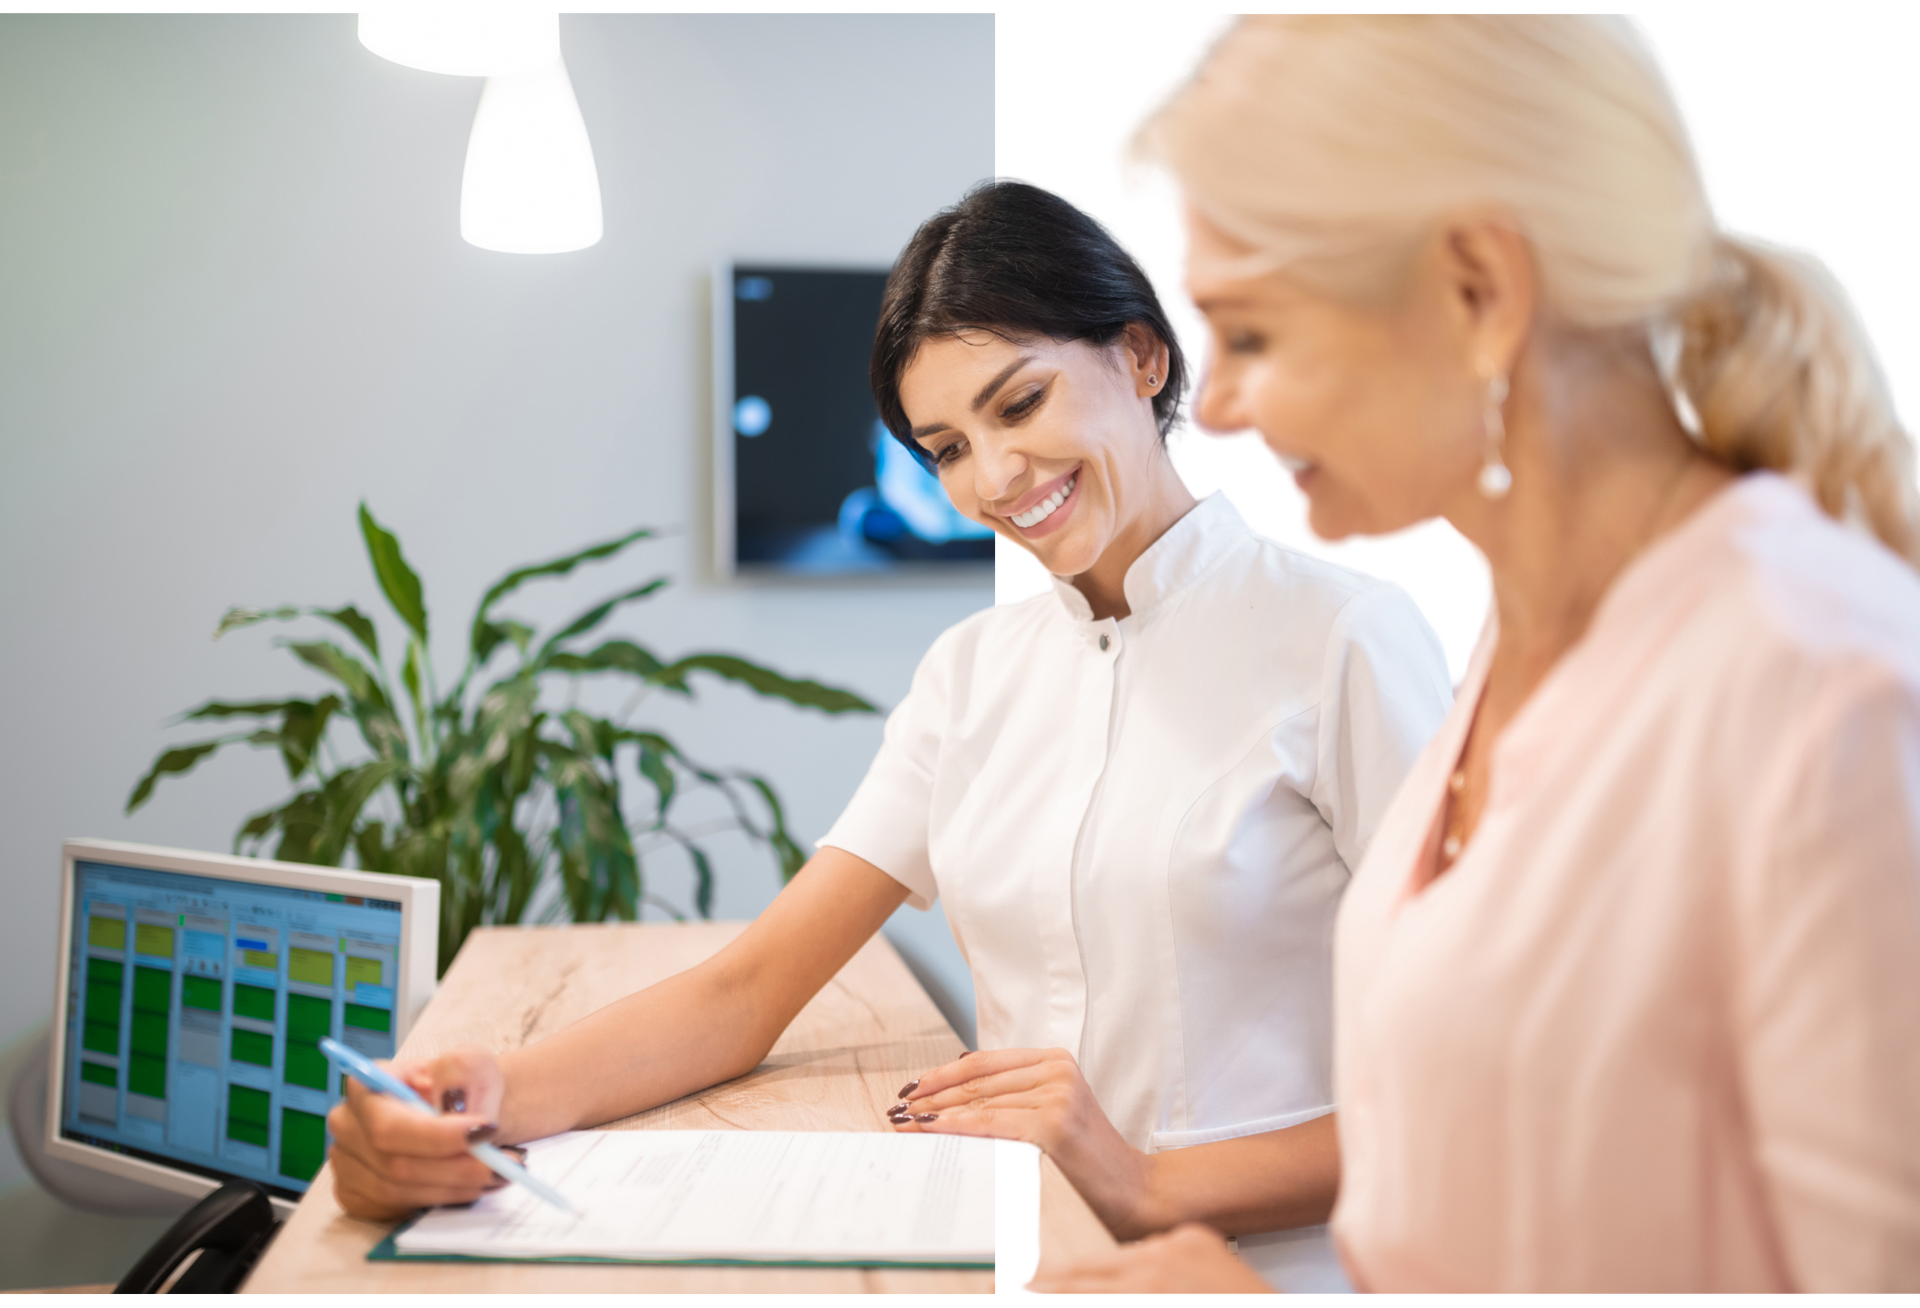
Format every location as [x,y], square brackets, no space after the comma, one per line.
[191,994]
[807,480]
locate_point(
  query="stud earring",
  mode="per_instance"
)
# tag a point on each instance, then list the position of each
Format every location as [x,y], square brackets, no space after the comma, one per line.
[1152,380]
[1495,479]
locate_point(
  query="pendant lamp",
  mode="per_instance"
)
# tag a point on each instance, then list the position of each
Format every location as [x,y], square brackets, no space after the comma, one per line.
[530,186]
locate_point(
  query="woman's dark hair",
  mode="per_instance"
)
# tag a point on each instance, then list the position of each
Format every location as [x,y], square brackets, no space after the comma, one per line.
[1019,262]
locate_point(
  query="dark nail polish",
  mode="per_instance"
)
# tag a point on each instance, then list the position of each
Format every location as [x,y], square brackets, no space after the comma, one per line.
[902,1107]
[926,1117]
[518,1152]
[909,1087]
[453,1101]
[482,1134]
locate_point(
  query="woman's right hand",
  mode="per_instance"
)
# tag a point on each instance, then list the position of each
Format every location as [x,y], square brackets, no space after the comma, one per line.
[389,1159]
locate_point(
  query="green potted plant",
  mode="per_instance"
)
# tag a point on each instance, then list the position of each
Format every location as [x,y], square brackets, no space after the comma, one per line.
[483,788]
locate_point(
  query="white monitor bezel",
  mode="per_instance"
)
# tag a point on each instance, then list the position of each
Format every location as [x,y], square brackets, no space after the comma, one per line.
[419,901]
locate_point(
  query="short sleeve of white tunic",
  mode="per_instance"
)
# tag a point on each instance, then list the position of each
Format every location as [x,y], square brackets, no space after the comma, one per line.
[1141,829]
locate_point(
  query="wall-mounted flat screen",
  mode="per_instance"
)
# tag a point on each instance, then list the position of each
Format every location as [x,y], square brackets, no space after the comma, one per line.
[807,478]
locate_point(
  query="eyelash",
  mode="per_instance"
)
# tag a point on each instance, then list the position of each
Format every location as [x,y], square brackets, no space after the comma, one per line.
[1012,413]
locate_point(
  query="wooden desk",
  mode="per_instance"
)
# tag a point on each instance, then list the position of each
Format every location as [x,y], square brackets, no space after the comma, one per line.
[837,1068]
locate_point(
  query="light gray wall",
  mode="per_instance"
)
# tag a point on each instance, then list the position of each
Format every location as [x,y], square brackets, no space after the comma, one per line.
[234,301]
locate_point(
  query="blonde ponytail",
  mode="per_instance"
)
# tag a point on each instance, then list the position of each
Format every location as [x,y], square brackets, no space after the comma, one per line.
[1329,145]
[1780,373]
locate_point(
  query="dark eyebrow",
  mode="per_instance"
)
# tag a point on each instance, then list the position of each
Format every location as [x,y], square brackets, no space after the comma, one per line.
[979,401]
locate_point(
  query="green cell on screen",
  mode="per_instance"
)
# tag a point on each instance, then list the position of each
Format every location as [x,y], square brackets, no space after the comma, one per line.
[102,1033]
[247,1115]
[368,1019]
[152,990]
[364,971]
[99,1074]
[107,932]
[252,1001]
[147,1075]
[152,997]
[201,992]
[308,1018]
[254,1047]
[303,1143]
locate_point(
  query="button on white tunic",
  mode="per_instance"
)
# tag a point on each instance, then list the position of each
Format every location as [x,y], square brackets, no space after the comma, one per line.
[1142,828]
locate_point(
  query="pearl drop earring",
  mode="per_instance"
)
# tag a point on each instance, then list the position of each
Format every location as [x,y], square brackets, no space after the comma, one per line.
[1495,479]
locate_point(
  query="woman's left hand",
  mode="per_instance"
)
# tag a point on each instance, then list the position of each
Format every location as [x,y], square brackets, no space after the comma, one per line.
[1039,1095]
[1189,1259]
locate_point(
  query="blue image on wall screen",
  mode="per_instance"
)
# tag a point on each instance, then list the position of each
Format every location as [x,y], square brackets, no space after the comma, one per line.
[820,486]
[195,1008]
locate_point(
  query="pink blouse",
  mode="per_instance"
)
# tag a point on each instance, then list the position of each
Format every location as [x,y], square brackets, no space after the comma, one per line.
[1659,1026]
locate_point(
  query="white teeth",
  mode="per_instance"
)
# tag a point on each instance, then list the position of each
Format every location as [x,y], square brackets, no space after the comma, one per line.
[1044,509]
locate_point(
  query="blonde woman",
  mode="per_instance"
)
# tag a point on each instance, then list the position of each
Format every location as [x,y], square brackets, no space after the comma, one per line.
[1627,989]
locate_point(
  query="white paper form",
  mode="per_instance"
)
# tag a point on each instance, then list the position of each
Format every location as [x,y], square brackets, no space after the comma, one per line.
[754,1196]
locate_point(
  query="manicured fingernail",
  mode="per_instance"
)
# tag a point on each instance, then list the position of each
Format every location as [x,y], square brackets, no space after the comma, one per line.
[909,1087]
[482,1134]
[926,1117]
[453,1101]
[901,1107]
[519,1152]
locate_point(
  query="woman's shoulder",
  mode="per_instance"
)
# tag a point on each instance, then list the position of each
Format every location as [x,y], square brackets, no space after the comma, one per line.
[995,628]
[1302,594]
[1814,593]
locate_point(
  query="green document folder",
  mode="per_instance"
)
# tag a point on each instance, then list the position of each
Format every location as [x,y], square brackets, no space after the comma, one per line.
[386,1252]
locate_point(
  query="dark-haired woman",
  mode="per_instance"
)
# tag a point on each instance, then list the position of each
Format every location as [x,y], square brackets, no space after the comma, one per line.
[1140,795]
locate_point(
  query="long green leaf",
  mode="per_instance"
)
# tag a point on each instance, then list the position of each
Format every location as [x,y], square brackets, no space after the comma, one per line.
[356,622]
[301,730]
[347,617]
[790,855]
[592,618]
[367,701]
[559,567]
[765,681]
[613,656]
[345,795]
[654,767]
[328,659]
[489,636]
[398,582]
[410,677]
[235,618]
[174,761]
[262,708]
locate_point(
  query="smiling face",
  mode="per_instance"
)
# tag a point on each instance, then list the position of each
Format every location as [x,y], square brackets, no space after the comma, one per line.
[1376,410]
[1051,443]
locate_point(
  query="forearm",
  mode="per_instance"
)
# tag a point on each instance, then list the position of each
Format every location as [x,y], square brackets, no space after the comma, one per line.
[669,1040]
[1268,1182]
[708,1024]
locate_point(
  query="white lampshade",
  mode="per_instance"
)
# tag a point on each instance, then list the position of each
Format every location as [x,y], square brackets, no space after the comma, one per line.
[463,42]
[530,185]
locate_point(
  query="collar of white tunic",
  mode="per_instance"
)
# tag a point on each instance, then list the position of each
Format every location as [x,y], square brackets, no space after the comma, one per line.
[1185,552]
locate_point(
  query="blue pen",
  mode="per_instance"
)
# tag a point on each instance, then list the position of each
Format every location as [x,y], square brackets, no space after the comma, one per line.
[382,1082]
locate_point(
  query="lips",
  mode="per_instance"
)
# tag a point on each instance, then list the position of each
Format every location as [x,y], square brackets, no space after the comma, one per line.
[1040,512]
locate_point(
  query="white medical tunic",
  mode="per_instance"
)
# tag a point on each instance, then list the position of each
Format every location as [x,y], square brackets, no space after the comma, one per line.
[1142,828]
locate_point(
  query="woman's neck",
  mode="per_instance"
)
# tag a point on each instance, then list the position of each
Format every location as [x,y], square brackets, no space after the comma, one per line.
[1164,500]
[1601,468]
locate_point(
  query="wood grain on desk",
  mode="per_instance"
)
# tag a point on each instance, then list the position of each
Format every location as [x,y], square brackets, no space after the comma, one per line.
[837,1068]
